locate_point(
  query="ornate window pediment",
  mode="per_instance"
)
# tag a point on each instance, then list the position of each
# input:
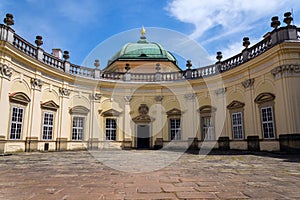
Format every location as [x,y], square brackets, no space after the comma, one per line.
[50,105]
[111,113]
[207,109]
[174,111]
[19,97]
[80,110]
[264,97]
[235,104]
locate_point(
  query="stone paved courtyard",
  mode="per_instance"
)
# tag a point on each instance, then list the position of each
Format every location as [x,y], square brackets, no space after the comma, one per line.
[78,175]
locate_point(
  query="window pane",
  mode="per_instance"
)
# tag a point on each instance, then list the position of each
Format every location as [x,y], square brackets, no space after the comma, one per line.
[47,126]
[20,115]
[175,131]
[207,128]
[78,128]
[111,129]
[237,125]
[16,123]
[267,122]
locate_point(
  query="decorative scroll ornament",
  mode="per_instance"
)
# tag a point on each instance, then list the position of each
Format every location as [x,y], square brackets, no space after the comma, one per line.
[248,83]
[36,84]
[127,98]
[64,92]
[96,96]
[190,96]
[220,91]
[159,98]
[5,71]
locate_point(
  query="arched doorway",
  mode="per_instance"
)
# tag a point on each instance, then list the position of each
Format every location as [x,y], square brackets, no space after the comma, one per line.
[143,128]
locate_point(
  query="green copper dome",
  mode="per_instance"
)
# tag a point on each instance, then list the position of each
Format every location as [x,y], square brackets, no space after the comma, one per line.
[143,50]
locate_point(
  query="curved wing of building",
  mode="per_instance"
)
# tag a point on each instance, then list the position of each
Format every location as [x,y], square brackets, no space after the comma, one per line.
[142,98]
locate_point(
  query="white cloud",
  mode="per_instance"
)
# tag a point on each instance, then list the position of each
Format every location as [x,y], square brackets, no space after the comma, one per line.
[235,48]
[219,25]
[232,15]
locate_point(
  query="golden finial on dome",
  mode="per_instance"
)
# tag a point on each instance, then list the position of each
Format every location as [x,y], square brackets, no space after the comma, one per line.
[143,31]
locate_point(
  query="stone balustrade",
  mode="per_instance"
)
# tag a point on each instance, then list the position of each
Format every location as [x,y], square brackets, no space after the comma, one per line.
[113,75]
[148,77]
[273,38]
[24,46]
[203,71]
[53,61]
[172,76]
[81,71]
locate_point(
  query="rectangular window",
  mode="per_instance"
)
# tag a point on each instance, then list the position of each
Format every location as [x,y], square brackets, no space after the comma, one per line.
[47,129]
[237,126]
[267,120]
[208,129]
[175,129]
[78,128]
[111,129]
[16,123]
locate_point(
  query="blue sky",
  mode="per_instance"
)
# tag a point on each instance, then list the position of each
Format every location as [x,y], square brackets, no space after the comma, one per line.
[80,25]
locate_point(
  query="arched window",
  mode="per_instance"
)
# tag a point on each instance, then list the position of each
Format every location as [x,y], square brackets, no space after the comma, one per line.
[49,109]
[18,102]
[265,103]
[111,124]
[236,110]
[174,117]
[79,114]
[207,116]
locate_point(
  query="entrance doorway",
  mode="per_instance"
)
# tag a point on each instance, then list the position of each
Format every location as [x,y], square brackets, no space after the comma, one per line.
[143,137]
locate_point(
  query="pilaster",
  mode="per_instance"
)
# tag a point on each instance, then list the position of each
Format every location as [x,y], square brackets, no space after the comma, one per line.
[159,117]
[35,112]
[250,108]
[4,105]
[127,119]
[94,134]
[189,117]
[64,118]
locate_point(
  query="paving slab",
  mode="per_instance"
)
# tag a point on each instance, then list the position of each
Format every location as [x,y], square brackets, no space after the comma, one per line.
[80,175]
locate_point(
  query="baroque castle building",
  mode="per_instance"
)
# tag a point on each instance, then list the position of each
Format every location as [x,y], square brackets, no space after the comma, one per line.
[142,99]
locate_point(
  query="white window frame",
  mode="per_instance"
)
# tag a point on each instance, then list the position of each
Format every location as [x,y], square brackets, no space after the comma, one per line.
[208,133]
[267,122]
[16,122]
[78,128]
[48,126]
[110,130]
[175,132]
[237,128]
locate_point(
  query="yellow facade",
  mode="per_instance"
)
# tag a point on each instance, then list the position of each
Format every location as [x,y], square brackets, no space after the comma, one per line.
[263,78]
